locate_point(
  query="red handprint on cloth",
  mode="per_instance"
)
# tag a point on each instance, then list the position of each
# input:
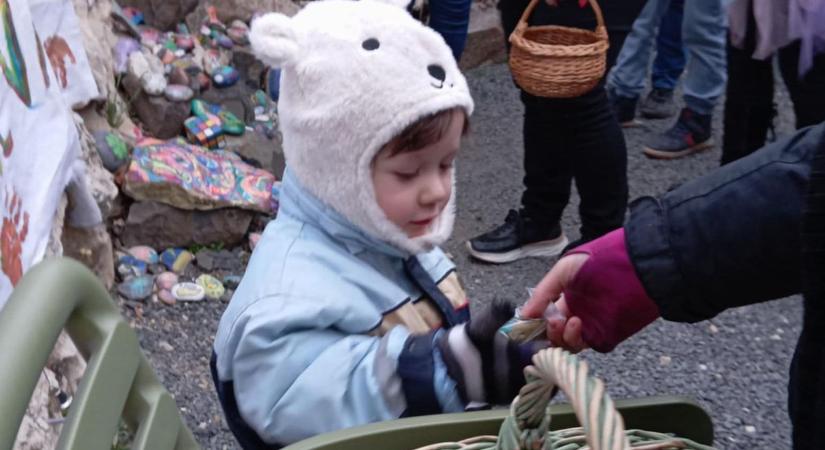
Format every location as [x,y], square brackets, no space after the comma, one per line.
[12,235]
[58,50]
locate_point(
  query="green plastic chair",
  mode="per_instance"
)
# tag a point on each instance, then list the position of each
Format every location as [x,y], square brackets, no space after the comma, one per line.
[118,382]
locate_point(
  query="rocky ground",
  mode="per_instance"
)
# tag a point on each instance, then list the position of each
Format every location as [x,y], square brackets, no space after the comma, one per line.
[734,365]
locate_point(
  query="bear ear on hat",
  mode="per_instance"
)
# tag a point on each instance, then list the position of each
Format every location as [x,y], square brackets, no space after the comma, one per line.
[274,39]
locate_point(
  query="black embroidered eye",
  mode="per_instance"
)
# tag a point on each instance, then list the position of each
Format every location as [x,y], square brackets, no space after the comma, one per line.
[371,44]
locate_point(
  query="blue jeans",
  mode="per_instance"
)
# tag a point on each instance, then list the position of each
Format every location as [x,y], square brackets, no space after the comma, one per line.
[670,54]
[451,18]
[704,27]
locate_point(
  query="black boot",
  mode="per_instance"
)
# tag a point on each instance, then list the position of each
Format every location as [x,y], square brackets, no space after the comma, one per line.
[519,237]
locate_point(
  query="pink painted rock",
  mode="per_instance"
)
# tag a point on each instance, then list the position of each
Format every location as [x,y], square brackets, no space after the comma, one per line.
[185,42]
[166,297]
[166,280]
[191,177]
[144,253]
[253,240]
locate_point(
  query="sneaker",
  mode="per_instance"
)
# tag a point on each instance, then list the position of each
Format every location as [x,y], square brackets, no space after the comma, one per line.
[690,134]
[519,237]
[624,108]
[658,104]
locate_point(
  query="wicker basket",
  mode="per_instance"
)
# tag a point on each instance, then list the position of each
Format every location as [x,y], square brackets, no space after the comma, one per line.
[556,61]
[527,426]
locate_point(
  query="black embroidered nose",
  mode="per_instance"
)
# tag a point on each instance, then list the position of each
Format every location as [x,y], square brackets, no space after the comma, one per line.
[437,72]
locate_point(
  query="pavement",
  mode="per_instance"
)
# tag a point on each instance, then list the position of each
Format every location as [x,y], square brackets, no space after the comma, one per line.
[735,365]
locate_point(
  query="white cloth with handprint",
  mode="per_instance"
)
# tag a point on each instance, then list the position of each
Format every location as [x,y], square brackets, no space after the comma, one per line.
[39,144]
[57,26]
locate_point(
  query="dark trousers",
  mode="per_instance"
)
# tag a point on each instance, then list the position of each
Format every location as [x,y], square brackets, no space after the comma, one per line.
[749,107]
[577,138]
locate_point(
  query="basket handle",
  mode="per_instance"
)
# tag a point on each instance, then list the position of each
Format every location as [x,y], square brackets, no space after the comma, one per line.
[522,22]
[526,426]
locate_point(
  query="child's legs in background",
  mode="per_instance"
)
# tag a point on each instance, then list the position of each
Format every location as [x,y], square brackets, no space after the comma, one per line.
[704,28]
[627,78]
[451,18]
[670,54]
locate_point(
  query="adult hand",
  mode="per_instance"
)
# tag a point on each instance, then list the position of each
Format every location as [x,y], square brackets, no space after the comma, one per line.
[562,329]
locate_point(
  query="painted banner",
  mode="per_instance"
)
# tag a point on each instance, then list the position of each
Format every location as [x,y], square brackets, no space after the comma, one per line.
[57,26]
[39,144]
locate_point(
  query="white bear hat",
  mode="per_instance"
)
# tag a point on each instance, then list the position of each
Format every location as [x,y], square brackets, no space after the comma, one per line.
[354,75]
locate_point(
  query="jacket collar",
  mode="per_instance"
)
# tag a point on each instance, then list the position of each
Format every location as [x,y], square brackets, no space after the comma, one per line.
[297,202]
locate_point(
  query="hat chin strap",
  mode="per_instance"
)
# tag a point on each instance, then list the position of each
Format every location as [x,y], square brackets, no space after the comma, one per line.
[437,234]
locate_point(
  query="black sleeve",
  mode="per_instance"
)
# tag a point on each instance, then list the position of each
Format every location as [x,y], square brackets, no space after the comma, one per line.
[729,238]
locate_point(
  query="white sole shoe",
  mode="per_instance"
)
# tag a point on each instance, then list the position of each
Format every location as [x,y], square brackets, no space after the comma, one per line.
[547,248]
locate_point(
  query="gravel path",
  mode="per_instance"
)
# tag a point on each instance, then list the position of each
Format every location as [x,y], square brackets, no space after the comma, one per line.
[735,365]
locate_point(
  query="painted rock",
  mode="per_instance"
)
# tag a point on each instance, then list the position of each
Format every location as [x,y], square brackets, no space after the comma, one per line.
[188,292]
[166,280]
[239,36]
[133,14]
[178,93]
[185,42]
[149,36]
[165,296]
[225,76]
[112,149]
[203,81]
[123,48]
[253,240]
[166,56]
[129,262]
[182,28]
[229,122]
[144,253]
[176,259]
[212,287]
[238,23]
[231,281]
[179,76]
[223,40]
[137,288]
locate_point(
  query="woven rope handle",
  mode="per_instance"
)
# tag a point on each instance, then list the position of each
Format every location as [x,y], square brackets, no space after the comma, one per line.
[522,22]
[529,420]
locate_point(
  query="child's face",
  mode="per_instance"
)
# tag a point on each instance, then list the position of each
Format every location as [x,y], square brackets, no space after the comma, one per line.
[413,187]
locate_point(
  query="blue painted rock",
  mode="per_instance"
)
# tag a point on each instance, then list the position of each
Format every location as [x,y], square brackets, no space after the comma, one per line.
[144,253]
[225,76]
[178,93]
[112,149]
[176,259]
[231,281]
[166,280]
[129,266]
[212,287]
[188,292]
[137,288]
[223,41]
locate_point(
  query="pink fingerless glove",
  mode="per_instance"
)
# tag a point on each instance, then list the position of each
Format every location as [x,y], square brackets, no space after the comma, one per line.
[607,295]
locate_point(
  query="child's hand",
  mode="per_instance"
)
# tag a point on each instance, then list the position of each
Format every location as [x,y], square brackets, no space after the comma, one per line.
[562,329]
[486,366]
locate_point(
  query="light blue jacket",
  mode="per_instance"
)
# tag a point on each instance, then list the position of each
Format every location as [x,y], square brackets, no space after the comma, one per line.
[319,335]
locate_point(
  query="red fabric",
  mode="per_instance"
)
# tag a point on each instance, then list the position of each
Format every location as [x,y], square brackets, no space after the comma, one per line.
[607,295]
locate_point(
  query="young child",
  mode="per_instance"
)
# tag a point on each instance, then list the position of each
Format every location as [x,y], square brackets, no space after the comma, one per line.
[348,312]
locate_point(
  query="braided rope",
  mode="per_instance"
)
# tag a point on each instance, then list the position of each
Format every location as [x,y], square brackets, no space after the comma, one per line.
[526,428]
